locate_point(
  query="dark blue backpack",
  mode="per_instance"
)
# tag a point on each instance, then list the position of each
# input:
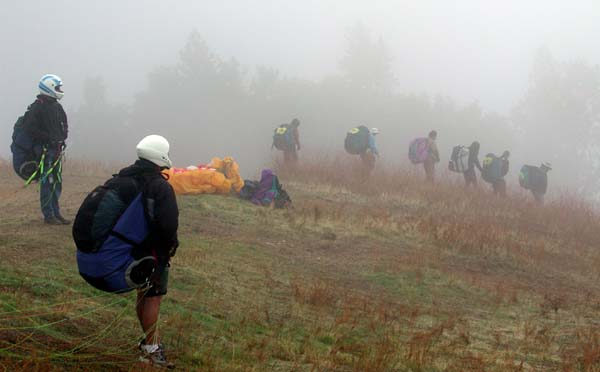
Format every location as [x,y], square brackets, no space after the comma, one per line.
[25,160]
[110,224]
[249,189]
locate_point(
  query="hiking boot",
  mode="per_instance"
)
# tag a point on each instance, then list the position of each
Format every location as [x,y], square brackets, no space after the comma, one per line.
[52,221]
[62,220]
[156,358]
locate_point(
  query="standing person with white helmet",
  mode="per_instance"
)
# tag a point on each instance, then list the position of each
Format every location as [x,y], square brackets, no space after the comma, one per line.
[46,123]
[153,154]
[140,243]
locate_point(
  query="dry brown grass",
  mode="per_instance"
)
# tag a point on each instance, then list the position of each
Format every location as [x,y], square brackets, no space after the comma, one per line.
[367,274]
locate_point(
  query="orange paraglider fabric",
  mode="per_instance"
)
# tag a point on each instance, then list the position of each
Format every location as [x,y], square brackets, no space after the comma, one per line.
[220,176]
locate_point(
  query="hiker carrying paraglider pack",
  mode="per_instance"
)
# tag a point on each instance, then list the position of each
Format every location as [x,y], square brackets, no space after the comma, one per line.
[361,141]
[473,162]
[424,151]
[38,144]
[494,170]
[464,160]
[286,138]
[535,179]
[126,233]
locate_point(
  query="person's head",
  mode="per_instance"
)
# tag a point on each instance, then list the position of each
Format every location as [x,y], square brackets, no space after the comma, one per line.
[51,86]
[546,166]
[433,134]
[475,147]
[295,123]
[505,154]
[374,131]
[155,149]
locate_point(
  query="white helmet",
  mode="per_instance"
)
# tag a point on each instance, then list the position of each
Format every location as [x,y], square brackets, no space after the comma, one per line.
[155,149]
[546,165]
[51,86]
[374,131]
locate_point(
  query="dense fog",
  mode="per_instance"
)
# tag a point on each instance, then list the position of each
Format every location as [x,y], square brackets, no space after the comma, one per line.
[215,78]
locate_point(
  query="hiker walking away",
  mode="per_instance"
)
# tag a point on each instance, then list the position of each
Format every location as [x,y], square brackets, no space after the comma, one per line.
[473,162]
[287,139]
[290,156]
[432,158]
[46,123]
[138,239]
[539,190]
[499,185]
[494,169]
[369,155]
[535,179]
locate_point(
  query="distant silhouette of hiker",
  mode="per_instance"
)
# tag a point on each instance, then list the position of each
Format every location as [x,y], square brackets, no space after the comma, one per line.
[369,155]
[494,170]
[361,141]
[434,157]
[535,179]
[287,139]
[473,162]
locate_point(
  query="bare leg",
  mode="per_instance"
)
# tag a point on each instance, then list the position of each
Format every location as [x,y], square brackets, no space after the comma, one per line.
[147,310]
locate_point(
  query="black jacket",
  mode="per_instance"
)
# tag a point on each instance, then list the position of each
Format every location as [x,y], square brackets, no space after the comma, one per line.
[161,206]
[46,121]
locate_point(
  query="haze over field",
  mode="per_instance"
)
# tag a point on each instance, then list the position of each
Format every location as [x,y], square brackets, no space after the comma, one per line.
[512,74]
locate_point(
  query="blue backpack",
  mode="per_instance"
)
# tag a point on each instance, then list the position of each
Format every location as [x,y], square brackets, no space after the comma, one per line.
[533,178]
[110,227]
[25,160]
[494,168]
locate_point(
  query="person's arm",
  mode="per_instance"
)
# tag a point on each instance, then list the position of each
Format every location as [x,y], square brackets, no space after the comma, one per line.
[34,125]
[478,164]
[297,138]
[165,219]
[433,150]
[372,145]
[65,126]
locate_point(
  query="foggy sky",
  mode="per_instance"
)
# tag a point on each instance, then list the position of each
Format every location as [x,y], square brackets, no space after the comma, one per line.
[471,50]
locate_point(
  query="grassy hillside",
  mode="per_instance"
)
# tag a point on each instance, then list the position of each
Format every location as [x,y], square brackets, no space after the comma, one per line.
[370,275]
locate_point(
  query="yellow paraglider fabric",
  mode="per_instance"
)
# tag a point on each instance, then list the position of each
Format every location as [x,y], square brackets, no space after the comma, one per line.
[220,176]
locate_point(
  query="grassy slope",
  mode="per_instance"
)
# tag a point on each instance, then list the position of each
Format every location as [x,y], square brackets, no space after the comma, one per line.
[345,281]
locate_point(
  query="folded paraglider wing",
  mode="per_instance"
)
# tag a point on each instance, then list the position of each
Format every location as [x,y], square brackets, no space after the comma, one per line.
[220,176]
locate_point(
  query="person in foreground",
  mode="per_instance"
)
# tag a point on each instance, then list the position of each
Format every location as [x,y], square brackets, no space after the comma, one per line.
[161,204]
[126,233]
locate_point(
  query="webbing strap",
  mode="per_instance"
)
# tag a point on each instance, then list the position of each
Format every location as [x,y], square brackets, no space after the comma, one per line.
[39,169]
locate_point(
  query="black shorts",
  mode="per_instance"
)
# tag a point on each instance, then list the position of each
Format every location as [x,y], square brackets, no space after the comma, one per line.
[159,284]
